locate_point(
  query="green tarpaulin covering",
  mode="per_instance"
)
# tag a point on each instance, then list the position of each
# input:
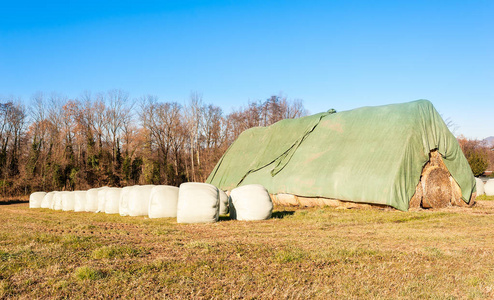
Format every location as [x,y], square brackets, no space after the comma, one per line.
[368,155]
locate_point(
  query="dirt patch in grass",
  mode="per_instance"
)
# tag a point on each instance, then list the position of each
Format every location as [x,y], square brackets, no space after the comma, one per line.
[312,253]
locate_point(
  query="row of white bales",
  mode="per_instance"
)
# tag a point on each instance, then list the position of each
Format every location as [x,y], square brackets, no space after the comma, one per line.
[193,202]
[485,189]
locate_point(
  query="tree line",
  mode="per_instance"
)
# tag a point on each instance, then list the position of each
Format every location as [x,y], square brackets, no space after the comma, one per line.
[58,143]
[479,154]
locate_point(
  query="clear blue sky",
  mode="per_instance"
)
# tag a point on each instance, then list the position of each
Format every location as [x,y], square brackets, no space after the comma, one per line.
[331,54]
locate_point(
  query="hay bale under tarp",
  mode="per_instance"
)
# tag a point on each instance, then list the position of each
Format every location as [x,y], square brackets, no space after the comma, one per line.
[480,187]
[35,199]
[489,187]
[436,189]
[300,201]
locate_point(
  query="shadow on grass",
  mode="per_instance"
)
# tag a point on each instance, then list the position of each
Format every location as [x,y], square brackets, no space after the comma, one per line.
[281,214]
[275,215]
[8,202]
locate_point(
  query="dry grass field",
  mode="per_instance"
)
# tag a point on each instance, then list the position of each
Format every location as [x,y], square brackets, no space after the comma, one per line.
[324,253]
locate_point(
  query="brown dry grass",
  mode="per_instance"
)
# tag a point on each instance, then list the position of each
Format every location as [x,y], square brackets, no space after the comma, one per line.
[299,254]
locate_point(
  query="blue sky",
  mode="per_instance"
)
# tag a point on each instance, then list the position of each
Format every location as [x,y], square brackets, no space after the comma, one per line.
[331,54]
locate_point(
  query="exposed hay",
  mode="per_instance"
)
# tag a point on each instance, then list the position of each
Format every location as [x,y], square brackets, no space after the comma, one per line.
[416,200]
[298,201]
[437,188]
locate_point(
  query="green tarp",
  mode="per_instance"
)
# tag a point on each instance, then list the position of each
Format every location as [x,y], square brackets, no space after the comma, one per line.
[368,155]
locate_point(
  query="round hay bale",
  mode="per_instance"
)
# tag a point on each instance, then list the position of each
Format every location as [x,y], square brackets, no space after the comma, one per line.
[489,187]
[251,203]
[198,203]
[47,200]
[68,201]
[437,189]
[480,186]
[123,203]
[102,199]
[35,199]
[138,200]
[92,200]
[223,202]
[112,199]
[80,201]
[163,202]
[57,201]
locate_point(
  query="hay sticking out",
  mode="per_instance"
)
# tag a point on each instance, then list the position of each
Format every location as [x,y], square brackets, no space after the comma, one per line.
[299,201]
[439,188]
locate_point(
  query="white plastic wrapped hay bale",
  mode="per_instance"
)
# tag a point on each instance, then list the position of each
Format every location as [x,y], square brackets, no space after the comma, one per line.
[163,202]
[102,199]
[92,200]
[251,203]
[112,200]
[489,187]
[47,200]
[52,202]
[139,200]
[35,199]
[223,203]
[123,205]
[68,201]
[80,201]
[198,203]
[57,201]
[480,186]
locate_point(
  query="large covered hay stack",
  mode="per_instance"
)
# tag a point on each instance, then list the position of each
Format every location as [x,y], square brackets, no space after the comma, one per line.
[399,155]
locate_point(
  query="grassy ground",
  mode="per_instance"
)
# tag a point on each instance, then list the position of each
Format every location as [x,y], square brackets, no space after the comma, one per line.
[312,253]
